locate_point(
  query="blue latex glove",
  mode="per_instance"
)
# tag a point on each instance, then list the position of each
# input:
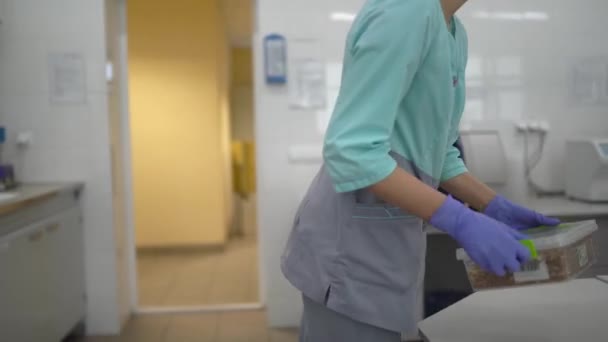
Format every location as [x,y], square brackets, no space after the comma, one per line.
[490,244]
[516,216]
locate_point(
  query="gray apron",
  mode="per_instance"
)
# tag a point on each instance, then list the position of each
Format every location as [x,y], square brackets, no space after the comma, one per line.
[320,324]
[358,256]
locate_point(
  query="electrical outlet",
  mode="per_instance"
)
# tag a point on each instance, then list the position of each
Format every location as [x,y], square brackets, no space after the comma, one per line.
[25,139]
[539,127]
[545,127]
[522,126]
[534,126]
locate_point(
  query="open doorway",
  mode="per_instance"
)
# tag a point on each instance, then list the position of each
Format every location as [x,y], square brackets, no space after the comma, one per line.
[191,152]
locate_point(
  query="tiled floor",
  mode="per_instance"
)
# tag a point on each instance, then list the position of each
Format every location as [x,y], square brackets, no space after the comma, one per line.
[247,326]
[200,278]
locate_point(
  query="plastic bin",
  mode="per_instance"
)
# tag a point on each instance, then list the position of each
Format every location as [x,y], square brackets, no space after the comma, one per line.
[559,253]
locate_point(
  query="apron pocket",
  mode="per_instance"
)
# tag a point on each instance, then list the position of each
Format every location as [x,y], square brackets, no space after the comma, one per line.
[379,213]
[383,246]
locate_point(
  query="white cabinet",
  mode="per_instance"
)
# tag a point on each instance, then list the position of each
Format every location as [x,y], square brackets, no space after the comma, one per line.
[66,261]
[42,280]
[2,11]
[25,297]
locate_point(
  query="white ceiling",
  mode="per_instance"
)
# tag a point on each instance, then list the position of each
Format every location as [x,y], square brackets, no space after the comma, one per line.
[239,18]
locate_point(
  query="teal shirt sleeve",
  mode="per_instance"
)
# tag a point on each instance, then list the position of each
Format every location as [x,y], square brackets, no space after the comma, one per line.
[454,165]
[384,50]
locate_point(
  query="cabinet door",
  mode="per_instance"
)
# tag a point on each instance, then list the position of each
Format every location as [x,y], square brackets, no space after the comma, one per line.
[66,254]
[2,12]
[25,310]
[5,262]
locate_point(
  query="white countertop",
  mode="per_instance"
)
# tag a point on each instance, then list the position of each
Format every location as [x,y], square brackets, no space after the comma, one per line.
[564,312]
[562,206]
[26,194]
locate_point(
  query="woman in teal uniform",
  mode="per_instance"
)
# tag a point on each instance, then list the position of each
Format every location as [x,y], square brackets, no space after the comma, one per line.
[356,251]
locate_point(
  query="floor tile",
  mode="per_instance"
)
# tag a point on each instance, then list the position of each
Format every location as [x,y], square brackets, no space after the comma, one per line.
[147,328]
[190,328]
[244,326]
[283,335]
[200,278]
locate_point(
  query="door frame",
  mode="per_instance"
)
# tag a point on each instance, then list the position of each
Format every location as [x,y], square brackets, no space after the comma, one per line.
[123,78]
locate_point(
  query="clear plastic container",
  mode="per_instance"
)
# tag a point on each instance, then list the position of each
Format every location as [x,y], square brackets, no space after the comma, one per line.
[559,253]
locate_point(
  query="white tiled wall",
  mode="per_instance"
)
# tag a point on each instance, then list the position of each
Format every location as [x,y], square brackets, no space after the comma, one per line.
[281,185]
[70,142]
[522,58]
[522,54]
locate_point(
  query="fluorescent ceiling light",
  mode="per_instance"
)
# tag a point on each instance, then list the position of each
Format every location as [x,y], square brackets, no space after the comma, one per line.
[536,16]
[511,16]
[481,15]
[342,16]
[508,16]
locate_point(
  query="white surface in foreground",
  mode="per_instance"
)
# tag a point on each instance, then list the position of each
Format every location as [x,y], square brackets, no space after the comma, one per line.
[5,196]
[569,311]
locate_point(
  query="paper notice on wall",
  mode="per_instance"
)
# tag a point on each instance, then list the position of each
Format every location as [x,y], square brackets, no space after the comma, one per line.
[590,82]
[307,88]
[67,77]
[334,79]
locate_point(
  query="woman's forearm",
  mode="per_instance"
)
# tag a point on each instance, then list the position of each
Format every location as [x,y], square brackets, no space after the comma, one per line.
[405,191]
[469,189]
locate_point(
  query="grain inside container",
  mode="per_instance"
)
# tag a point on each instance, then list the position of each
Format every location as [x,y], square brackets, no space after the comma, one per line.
[561,253]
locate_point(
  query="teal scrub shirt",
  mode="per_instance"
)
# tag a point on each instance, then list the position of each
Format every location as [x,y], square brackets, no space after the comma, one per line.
[401,100]
[403,92]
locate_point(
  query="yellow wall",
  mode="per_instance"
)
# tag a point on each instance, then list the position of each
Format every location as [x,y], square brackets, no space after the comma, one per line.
[242,67]
[243,121]
[178,73]
[242,95]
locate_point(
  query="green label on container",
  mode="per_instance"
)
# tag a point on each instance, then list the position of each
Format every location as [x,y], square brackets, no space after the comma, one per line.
[531,247]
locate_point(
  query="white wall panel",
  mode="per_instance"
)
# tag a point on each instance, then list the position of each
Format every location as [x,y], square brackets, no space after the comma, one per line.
[522,55]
